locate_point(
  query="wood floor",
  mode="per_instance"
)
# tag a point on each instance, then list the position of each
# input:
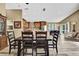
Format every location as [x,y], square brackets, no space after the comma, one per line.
[65,48]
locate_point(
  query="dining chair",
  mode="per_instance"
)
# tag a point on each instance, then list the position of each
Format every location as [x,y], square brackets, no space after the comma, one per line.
[55,35]
[12,43]
[41,41]
[27,36]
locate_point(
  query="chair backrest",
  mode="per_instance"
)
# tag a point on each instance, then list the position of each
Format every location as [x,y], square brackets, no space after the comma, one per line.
[41,35]
[54,31]
[27,35]
[11,37]
[55,36]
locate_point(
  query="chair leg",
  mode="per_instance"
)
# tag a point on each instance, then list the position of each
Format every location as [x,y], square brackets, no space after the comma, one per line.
[45,52]
[32,51]
[56,50]
[23,52]
[36,51]
[9,49]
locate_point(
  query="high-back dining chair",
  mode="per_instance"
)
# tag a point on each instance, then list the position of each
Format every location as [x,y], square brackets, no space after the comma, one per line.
[27,36]
[41,41]
[12,43]
[55,35]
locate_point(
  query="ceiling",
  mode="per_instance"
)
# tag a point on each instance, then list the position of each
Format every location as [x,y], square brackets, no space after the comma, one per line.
[54,12]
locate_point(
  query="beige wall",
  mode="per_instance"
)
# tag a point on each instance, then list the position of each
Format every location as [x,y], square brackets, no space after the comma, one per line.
[72,19]
[2,9]
[15,15]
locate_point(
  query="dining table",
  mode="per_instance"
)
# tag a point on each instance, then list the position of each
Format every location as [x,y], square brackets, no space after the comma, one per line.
[19,40]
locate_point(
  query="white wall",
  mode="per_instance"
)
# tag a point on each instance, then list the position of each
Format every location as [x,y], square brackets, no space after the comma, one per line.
[55,12]
[15,15]
[2,9]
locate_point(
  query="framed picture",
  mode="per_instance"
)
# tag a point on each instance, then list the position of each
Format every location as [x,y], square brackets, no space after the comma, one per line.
[17,24]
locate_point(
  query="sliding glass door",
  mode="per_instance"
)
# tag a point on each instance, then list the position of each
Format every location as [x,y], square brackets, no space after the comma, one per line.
[65,28]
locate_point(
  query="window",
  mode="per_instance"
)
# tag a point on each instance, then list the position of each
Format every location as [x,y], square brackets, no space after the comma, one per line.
[66,27]
[51,26]
[63,28]
[73,28]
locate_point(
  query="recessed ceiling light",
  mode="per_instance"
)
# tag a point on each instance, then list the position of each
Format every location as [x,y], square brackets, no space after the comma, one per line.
[26,3]
[44,9]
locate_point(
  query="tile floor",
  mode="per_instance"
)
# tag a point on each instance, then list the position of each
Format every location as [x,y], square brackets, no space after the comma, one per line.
[65,48]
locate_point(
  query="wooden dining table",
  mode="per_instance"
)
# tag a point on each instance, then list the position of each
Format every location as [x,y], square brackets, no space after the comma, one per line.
[19,40]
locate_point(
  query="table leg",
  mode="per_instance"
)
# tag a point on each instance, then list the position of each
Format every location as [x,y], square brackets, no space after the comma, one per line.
[19,48]
[47,49]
